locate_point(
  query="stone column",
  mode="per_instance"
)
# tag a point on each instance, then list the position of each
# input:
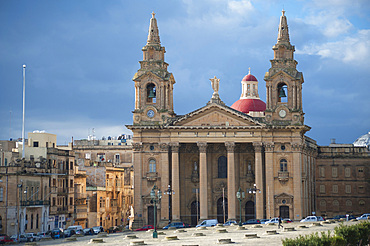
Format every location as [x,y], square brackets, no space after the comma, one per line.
[203,186]
[165,181]
[297,181]
[175,182]
[138,174]
[231,189]
[259,180]
[269,169]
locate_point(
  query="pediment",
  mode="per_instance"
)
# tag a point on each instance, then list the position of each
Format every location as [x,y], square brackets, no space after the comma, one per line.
[149,74]
[215,115]
[293,74]
[283,195]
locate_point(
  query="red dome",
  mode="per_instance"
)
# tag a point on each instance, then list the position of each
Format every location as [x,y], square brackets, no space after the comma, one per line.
[247,105]
[249,77]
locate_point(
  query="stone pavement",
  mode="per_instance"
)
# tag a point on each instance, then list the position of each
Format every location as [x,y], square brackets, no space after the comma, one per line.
[211,236]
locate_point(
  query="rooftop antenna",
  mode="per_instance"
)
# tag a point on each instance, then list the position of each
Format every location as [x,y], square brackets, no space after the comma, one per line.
[24,108]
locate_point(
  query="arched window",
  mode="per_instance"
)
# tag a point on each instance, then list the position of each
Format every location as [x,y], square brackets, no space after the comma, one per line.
[222,167]
[322,203]
[283,165]
[349,203]
[335,203]
[151,93]
[282,91]
[152,166]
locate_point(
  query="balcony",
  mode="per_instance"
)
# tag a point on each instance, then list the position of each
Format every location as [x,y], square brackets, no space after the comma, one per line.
[81,216]
[53,210]
[35,203]
[151,176]
[283,176]
[80,195]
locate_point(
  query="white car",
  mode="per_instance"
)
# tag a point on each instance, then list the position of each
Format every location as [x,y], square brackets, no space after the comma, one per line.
[364,217]
[312,219]
[273,220]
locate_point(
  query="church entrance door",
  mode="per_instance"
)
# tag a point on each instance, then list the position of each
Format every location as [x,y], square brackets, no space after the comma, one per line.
[284,212]
[222,210]
[195,210]
[151,215]
[249,210]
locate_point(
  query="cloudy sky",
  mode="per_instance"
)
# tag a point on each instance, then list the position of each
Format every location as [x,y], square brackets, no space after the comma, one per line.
[81,57]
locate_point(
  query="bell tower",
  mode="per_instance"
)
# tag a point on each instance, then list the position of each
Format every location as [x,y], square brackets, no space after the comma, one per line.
[284,82]
[153,83]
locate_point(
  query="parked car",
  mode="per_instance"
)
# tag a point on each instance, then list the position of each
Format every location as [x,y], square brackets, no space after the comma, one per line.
[177,225]
[252,222]
[287,220]
[312,219]
[263,221]
[88,231]
[32,237]
[98,229]
[75,227]
[211,222]
[145,228]
[364,217]
[337,217]
[69,232]
[56,233]
[22,238]
[230,222]
[273,220]
[5,239]
[42,235]
[80,232]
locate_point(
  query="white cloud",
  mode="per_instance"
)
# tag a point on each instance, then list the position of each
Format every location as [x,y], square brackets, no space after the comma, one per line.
[240,7]
[350,49]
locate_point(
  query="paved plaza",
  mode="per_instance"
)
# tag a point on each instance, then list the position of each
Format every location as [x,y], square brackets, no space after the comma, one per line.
[211,236]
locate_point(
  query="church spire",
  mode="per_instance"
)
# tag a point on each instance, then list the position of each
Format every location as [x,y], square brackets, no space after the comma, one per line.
[283,36]
[153,36]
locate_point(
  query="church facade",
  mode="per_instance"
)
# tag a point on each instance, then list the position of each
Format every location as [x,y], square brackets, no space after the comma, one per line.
[206,156]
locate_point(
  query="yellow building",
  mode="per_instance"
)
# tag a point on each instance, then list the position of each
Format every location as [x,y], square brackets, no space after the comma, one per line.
[106,167]
[208,154]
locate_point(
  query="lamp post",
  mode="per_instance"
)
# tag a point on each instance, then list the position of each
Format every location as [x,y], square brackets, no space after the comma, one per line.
[155,198]
[169,192]
[240,195]
[254,191]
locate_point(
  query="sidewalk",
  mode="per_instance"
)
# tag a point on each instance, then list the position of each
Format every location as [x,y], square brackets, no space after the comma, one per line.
[211,235]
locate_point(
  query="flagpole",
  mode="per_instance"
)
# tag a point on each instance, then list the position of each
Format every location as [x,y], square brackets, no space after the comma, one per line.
[24,109]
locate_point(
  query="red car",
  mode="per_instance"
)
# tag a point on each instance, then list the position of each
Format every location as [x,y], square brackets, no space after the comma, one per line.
[287,220]
[5,239]
[145,228]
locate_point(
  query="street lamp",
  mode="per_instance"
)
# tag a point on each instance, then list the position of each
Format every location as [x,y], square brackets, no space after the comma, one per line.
[254,191]
[169,192]
[155,198]
[240,195]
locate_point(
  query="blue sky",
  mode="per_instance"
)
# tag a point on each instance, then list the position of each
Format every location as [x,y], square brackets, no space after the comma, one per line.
[81,57]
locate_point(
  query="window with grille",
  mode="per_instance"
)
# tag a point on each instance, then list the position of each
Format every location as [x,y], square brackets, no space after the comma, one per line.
[322,172]
[335,188]
[152,166]
[283,165]
[334,172]
[347,172]
[322,188]
[348,188]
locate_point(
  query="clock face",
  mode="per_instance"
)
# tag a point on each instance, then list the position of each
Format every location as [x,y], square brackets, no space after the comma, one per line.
[150,113]
[282,113]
